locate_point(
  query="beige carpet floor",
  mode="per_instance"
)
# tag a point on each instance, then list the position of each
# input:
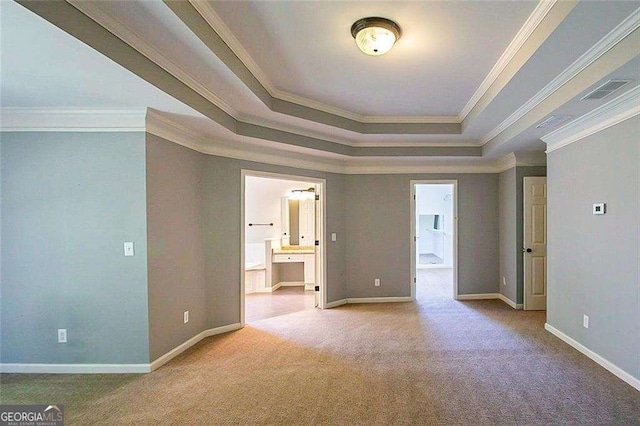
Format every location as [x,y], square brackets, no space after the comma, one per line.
[433,362]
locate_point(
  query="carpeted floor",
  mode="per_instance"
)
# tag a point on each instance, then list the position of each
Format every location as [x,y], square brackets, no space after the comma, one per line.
[433,362]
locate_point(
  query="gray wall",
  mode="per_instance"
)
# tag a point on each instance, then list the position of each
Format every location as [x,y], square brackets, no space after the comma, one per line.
[593,260]
[176,253]
[378,215]
[69,201]
[511,213]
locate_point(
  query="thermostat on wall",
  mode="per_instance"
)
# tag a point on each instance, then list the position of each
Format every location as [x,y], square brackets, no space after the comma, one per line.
[599,208]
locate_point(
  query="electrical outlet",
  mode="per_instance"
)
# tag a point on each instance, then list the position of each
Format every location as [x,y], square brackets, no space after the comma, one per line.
[62,335]
[376,282]
[185,317]
[504,281]
[585,321]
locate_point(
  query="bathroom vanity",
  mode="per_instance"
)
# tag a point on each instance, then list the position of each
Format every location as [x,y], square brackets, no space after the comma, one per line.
[278,259]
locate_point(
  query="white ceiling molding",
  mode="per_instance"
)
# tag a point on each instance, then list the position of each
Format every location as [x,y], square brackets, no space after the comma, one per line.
[353,143]
[133,39]
[427,168]
[72,120]
[626,27]
[536,17]
[537,158]
[205,9]
[164,127]
[160,125]
[512,160]
[621,108]
[507,162]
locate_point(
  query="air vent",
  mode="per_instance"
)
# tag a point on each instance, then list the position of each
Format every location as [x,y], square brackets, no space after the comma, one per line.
[606,89]
[554,120]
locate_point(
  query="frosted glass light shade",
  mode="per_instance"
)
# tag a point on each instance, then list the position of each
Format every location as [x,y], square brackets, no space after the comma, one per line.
[375,36]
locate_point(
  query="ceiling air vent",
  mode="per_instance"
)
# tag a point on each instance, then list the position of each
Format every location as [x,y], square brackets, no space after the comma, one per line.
[554,120]
[606,89]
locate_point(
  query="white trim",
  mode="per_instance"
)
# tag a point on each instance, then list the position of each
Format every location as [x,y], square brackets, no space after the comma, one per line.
[189,343]
[530,25]
[512,160]
[509,302]
[478,296]
[116,368]
[75,368]
[626,27]
[336,303]
[412,166]
[156,123]
[72,120]
[613,112]
[614,369]
[395,299]
[290,284]
[268,289]
[136,41]
[356,300]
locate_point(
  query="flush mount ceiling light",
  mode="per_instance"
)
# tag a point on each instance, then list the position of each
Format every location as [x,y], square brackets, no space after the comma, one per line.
[375,36]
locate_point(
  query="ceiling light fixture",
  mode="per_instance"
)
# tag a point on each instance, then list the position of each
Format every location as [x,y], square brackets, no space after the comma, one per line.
[375,36]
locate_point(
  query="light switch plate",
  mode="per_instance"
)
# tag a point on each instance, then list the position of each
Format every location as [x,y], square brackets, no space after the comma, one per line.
[128,249]
[334,236]
[599,208]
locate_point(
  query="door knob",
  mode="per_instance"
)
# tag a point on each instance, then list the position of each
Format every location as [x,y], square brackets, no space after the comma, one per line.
[528,250]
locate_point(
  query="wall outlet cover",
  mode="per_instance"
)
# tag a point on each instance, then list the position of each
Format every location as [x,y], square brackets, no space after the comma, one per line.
[599,208]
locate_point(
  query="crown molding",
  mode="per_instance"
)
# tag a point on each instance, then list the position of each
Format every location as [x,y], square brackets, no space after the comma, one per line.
[626,27]
[507,162]
[72,120]
[530,25]
[613,112]
[135,40]
[207,12]
[166,128]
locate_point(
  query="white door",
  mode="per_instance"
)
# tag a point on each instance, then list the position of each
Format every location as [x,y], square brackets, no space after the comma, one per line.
[535,243]
[306,222]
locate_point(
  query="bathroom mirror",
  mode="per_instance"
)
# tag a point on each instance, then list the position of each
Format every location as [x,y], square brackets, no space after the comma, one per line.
[298,221]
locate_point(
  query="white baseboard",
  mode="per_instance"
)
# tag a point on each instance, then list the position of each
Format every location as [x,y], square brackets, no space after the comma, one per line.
[378,299]
[478,296]
[309,287]
[75,368]
[195,339]
[336,303]
[617,371]
[115,368]
[290,284]
[268,289]
[352,300]
[510,302]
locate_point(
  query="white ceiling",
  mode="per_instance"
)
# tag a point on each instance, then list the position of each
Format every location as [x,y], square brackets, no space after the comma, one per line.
[446,50]
[302,52]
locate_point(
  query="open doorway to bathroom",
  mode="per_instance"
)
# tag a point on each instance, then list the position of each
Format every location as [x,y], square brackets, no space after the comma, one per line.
[283,253]
[434,240]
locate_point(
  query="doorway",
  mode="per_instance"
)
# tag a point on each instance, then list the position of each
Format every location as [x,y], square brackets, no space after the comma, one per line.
[283,253]
[434,239]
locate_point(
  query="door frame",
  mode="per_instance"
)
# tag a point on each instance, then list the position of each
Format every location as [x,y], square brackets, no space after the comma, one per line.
[412,234]
[321,272]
